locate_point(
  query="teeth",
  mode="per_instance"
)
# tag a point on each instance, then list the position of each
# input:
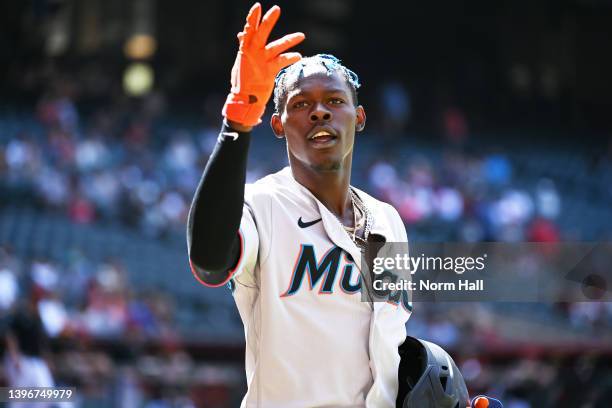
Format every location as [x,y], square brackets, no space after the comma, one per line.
[321,133]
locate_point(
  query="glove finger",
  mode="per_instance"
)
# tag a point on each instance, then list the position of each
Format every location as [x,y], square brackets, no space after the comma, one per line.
[252,23]
[254,16]
[267,24]
[285,59]
[283,44]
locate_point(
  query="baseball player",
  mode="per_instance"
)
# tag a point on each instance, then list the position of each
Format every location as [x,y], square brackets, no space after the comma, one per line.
[290,245]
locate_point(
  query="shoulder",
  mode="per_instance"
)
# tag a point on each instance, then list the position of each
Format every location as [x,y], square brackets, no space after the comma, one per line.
[379,207]
[273,188]
[386,213]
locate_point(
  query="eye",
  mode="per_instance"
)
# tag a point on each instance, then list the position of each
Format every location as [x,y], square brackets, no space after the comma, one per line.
[299,104]
[336,101]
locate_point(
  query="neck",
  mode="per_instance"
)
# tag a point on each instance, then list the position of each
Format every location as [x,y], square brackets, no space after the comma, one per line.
[330,187]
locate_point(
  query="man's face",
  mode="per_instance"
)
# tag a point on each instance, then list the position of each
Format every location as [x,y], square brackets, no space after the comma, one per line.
[319,120]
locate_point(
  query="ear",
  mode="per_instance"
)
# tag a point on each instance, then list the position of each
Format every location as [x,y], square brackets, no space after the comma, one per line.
[277,125]
[361,118]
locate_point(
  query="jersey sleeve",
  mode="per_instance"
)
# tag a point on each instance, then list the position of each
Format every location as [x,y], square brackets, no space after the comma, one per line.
[244,271]
[403,246]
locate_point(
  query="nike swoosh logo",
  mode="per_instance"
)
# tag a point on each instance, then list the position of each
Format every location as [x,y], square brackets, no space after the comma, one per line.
[232,135]
[303,224]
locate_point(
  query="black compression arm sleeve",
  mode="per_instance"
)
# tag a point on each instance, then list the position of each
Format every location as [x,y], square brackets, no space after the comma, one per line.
[216,210]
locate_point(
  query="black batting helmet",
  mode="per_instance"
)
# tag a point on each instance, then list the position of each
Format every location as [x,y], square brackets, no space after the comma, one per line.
[429,378]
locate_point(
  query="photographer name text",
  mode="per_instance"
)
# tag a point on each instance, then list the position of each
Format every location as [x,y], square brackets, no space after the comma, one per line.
[464,285]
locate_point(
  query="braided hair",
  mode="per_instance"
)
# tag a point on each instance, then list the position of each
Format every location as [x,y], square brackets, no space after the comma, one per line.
[295,71]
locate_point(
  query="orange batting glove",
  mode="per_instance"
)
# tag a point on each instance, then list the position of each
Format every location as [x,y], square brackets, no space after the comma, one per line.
[483,401]
[256,66]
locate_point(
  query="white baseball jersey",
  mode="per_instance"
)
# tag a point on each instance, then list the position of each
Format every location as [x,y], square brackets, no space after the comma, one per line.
[310,339]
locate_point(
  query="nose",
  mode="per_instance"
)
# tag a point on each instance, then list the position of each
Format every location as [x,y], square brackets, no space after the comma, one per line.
[320,113]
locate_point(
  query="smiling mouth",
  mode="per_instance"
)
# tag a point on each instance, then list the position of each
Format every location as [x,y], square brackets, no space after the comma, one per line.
[323,138]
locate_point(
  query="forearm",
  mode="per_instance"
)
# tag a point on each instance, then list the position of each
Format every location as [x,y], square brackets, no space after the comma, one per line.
[216,210]
[238,127]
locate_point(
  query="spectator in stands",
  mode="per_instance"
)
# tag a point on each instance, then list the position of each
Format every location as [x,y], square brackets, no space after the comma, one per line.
[26,346]
[10,270]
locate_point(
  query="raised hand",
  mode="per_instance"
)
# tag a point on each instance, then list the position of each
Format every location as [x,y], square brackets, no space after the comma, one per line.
[256,66]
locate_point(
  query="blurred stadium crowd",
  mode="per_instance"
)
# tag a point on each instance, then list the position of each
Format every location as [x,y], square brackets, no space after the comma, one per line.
[477,131]
[116,337]
[138,169]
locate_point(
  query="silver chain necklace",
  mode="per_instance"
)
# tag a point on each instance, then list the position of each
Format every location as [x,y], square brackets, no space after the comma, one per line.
[357,203]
